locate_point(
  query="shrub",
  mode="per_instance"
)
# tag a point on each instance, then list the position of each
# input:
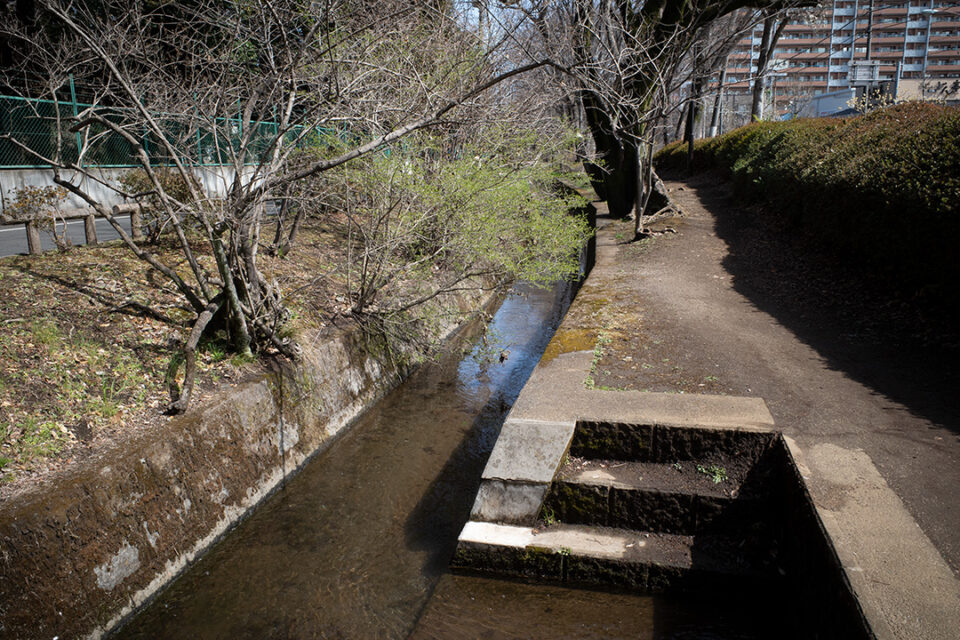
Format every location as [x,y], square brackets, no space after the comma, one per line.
[883,188]
[137,183]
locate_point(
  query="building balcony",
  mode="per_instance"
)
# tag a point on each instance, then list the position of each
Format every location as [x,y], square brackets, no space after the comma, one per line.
[804,56]
[800,42]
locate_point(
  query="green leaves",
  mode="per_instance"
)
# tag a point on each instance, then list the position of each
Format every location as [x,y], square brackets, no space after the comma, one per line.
[430,214]
[882,189]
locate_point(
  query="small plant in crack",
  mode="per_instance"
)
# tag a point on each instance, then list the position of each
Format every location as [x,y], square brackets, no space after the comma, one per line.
[549,518]
[677,466]
[716,473]
[603,339]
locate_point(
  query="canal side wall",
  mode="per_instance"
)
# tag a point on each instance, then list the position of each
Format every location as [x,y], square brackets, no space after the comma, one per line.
[89,546]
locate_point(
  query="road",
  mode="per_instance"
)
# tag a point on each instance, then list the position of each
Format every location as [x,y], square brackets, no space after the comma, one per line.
[13,238]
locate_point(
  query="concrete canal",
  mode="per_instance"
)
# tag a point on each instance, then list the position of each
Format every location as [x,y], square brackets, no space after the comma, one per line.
[358,544]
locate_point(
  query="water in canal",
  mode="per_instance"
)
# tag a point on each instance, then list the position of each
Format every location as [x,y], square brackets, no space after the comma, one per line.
[357,544]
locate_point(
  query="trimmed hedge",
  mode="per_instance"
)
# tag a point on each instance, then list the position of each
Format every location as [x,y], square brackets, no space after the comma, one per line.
[883,188]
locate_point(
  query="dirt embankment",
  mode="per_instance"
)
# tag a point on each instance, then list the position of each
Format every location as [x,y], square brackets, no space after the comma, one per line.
[87,337]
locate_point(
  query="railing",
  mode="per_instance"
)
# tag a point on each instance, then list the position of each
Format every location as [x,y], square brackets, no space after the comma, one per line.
[89,217]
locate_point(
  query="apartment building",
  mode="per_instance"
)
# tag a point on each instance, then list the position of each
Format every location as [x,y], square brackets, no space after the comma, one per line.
[913,43]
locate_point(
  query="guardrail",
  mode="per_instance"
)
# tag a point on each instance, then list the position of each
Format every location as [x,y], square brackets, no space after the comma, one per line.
[89,217]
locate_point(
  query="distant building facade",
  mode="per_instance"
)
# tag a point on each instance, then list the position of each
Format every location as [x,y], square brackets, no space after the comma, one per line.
[914,49]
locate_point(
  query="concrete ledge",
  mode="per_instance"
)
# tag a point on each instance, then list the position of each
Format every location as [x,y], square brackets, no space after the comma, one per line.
[579,555]
[905,588]
[529,450]
[512,502]
[521,467]
[571,540]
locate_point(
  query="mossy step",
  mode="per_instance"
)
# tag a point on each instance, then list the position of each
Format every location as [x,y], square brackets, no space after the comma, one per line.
[643,442]
[688,477]
[577,554]
[657,498]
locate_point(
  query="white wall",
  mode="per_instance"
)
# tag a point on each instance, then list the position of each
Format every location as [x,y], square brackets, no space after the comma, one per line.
[215,180]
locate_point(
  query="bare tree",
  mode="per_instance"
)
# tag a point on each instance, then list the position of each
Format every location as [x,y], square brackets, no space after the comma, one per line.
[625,60]
[707,57]
[227,96]
[774,23]
[775,20]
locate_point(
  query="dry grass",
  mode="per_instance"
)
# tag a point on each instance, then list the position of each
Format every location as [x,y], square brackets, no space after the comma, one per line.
[81,364]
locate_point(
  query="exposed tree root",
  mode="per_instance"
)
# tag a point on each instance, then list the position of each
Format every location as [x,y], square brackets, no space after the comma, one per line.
[189,355]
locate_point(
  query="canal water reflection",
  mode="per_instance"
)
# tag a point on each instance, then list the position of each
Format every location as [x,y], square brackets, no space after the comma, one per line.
[359,541]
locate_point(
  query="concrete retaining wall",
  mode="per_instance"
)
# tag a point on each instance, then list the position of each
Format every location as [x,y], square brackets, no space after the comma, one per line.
[93,543]
[215,180]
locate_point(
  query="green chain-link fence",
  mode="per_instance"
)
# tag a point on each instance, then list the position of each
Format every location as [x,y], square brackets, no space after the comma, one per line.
[34,124]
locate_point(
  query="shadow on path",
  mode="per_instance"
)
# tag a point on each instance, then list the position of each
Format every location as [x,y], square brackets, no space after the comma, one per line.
[858,324]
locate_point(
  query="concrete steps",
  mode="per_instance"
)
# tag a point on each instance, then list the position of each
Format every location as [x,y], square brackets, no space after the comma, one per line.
[648,507]
[658,508]
[679,498]
[590,555]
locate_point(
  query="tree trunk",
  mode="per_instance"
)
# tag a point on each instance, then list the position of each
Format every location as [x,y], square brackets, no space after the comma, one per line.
[693,108]
[680,121]
[768,41]
[658,198]
[181,399]
[715,118]
[616,181]
[291,238]
[756,106]
[620,179]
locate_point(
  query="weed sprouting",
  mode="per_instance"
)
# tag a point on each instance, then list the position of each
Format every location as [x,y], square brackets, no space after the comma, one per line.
[603,339]
[46,333]
[717,473]
[240,360]
[549,518]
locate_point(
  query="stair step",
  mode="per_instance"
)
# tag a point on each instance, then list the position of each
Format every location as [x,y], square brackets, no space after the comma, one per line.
[644,442]
[578,554]
[654,497]
[669,478]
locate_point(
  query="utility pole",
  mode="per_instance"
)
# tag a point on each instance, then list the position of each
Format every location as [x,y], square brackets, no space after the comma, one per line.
[480,6]
[853,38]
[873,87]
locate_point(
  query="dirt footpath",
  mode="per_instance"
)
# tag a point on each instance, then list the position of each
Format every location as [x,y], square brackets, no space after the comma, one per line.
[725,306]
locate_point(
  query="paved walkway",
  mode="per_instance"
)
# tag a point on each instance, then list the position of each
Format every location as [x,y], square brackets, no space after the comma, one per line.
[874,427]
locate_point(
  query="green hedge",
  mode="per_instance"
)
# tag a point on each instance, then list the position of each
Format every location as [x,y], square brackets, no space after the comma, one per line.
[883,188]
